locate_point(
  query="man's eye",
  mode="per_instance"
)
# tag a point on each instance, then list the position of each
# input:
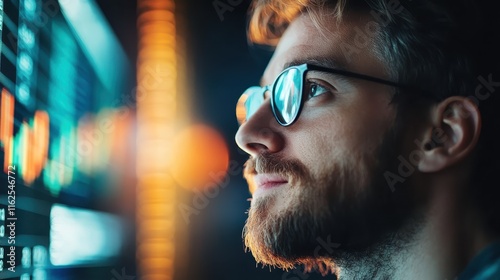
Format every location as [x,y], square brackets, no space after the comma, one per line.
[315,89]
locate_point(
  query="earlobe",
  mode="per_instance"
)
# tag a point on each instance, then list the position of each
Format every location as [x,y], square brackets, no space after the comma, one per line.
[456,126]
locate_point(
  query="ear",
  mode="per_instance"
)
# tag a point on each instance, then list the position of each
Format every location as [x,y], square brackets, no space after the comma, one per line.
[453,135]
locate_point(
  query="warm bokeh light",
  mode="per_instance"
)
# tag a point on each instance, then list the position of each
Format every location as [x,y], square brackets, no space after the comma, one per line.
[200,158]
[240,109]
[7,126]
[156,121]
[41,131]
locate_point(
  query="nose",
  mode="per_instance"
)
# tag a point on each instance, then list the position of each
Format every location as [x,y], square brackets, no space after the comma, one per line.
[261,133]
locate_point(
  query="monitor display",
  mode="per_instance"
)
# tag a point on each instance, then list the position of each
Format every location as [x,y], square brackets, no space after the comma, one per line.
[64,138]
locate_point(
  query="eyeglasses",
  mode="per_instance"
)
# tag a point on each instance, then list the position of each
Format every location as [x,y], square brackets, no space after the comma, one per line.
[287,93]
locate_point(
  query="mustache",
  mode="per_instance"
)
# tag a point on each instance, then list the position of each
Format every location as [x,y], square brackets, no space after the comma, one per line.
[272,163]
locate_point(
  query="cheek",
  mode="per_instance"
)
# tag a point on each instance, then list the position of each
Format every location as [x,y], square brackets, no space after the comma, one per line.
[354,126]
[341,138]
[331,136]
[320,146]
[362,126]
[341,170]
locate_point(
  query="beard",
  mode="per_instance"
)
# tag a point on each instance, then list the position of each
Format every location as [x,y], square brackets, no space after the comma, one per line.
[332,217]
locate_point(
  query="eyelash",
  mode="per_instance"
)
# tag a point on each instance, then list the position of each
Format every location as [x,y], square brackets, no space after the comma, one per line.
[310,83]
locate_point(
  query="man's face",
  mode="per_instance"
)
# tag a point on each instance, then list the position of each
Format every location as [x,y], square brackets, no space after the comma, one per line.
[320,178]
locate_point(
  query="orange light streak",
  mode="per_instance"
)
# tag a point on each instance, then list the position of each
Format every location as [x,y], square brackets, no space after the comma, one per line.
[41,126]
[27,151]
[7,126]
[156,117]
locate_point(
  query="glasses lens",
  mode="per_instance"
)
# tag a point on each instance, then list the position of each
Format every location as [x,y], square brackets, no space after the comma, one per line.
[248,103]
[287,96]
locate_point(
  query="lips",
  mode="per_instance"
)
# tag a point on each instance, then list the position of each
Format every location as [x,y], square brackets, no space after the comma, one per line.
[267,181]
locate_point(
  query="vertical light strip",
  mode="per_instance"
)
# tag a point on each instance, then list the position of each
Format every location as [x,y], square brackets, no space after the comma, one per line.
[156,113]
[23,144]
[7,127]
[41,131]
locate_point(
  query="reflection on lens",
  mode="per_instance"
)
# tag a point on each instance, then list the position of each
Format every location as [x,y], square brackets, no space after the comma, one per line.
[248,103]
[241,111]
[287,93]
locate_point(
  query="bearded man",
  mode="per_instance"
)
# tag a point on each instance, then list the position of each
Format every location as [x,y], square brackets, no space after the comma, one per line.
[373,139]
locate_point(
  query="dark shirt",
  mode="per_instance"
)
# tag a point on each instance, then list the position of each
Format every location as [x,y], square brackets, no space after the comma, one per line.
[485,266]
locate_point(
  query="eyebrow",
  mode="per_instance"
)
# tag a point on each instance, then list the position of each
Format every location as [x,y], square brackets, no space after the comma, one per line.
[323,61]
[327,62]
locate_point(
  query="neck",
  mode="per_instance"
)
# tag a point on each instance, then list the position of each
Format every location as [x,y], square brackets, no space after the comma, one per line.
[437,246]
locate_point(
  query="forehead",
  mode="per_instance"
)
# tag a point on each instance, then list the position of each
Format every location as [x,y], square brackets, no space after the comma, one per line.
[348,44]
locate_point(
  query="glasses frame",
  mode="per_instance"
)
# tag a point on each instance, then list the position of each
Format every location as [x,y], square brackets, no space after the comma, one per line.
[303,68]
